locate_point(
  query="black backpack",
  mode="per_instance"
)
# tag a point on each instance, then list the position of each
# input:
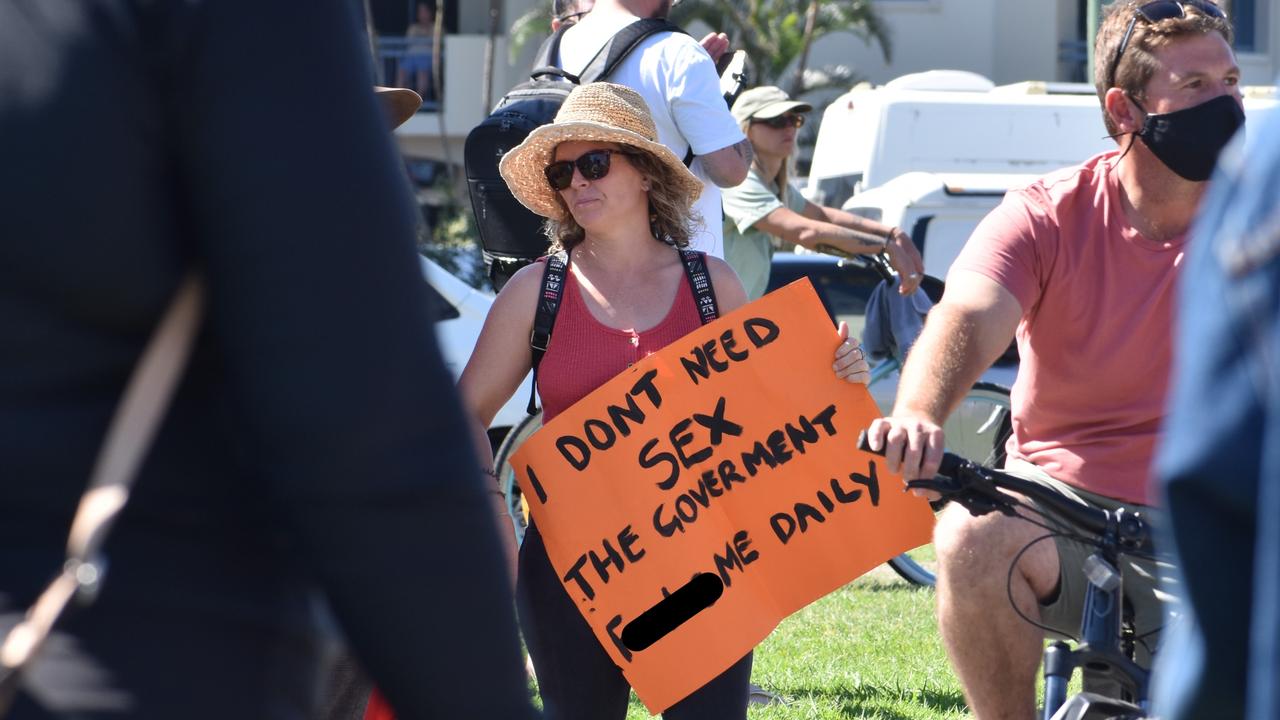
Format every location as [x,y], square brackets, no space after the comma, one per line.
[511,234]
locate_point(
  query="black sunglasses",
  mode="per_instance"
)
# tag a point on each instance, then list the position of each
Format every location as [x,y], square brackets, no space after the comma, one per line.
[593,165]
[572,16]
[1155,12]
[777,123]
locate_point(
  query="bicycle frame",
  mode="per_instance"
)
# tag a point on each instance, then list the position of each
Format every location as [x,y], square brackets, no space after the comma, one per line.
[883,370]
[1107,640]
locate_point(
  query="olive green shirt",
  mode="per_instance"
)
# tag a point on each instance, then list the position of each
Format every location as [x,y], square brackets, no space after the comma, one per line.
[748,250]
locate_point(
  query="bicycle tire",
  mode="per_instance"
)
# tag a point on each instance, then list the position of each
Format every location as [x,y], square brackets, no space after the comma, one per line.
[977,430]
[507,473]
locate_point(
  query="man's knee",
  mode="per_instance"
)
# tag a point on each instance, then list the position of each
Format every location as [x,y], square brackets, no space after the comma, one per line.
[964,541]
[981,549]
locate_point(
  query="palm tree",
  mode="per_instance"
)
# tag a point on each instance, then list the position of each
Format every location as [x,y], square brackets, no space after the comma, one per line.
[777,35]
[491,41]
[529,27]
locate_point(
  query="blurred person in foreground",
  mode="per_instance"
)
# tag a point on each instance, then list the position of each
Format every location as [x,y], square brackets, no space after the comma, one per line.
[619,205]
[1081,266]
[1218,467]
[767,208]
[314,441]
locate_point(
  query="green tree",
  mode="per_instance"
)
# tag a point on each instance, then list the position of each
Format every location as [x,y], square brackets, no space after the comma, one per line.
[777,35]
[533,26]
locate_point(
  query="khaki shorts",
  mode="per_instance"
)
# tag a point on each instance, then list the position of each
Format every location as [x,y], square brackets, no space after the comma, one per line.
[1141,576]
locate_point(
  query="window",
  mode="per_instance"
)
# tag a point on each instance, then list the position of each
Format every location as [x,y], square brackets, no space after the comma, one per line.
[909,5]
[1248,25]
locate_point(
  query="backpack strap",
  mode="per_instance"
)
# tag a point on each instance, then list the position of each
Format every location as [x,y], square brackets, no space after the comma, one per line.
[553,279]
[620,46]
[546,62]
[130,435]
[544,319]
[695,268]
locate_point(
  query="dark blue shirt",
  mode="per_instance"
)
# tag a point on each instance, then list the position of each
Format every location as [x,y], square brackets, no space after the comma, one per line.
[315,439]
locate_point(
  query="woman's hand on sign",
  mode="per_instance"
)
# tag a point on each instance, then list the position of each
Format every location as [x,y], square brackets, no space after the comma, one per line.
[851,362]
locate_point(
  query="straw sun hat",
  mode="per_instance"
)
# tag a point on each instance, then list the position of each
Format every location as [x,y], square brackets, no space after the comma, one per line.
[595,112]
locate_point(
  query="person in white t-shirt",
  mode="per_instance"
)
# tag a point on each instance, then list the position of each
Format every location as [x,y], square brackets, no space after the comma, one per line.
[568,12]
[677,79]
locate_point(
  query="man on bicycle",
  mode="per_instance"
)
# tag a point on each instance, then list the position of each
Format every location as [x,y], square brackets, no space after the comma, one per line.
[1080,266]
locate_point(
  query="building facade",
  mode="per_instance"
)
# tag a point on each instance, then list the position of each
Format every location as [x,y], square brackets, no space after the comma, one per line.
[1005,40]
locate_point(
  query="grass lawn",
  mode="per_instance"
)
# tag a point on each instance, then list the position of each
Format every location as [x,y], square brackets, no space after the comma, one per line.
[869,650]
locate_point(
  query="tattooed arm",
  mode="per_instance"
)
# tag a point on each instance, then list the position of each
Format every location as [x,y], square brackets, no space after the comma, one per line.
[816,226]
[727,167]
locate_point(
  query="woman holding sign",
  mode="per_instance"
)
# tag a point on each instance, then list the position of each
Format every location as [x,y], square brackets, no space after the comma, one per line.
[619,207]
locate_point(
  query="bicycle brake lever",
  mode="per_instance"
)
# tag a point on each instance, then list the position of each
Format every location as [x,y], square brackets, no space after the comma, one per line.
[955,490]
[942,486]
[945,487]
[978,505]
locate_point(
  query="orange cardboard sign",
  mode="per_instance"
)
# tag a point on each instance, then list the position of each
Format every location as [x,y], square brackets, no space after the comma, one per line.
[701,496]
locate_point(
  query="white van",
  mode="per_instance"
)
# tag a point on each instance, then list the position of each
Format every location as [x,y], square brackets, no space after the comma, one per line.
[951,122]
[956,122]
[938,211]
[935,161]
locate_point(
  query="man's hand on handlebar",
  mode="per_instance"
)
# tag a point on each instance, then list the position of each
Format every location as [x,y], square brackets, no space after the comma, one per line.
[912,446]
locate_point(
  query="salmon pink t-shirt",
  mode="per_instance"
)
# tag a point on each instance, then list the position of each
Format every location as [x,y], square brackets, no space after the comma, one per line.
[1095,336]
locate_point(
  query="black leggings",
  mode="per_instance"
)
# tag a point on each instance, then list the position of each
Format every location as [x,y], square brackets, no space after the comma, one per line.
[577,678]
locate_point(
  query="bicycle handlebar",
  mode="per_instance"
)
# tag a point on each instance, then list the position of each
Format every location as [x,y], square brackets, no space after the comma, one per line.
[978,489]
[877,262]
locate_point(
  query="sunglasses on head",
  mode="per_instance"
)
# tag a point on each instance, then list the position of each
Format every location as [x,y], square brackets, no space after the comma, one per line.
[1155,12]
[784,120]
[593,165]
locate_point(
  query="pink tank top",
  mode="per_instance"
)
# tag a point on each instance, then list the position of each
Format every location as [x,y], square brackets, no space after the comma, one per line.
[585,354]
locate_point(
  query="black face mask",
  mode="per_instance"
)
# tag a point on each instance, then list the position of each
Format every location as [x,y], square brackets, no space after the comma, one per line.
[1188,141]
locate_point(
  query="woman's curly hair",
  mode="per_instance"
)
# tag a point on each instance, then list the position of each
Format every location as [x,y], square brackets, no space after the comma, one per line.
[672,218]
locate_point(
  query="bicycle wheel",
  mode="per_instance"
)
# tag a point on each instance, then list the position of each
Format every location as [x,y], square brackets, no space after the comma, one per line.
[977,431]
[507,474]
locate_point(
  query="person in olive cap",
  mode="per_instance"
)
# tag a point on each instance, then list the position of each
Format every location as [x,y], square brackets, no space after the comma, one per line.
[765,210]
